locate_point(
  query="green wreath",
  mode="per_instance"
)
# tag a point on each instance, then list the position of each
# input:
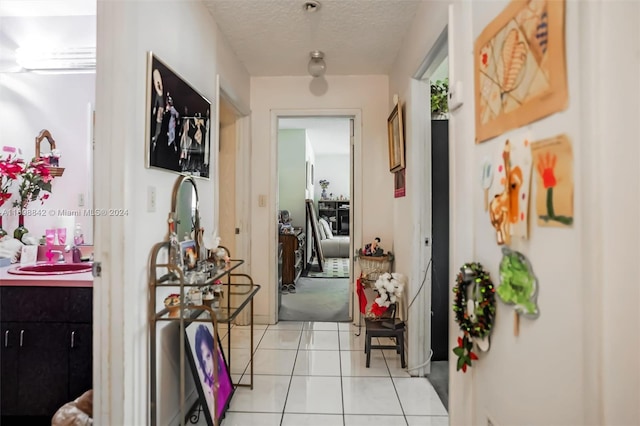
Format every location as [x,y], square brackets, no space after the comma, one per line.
[473,276]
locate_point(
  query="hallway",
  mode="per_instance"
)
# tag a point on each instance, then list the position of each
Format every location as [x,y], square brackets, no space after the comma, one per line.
[313,373]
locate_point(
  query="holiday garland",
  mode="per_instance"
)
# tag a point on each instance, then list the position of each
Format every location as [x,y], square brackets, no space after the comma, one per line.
[477,324]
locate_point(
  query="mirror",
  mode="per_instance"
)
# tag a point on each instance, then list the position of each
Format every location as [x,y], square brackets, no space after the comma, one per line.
[44,149]
[311,214]
[48,153]
[184,205]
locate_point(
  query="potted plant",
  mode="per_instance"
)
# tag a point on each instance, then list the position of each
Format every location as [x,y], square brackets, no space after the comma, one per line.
[439,99]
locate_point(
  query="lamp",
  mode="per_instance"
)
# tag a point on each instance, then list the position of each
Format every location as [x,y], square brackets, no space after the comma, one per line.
[77,58]
[316,66]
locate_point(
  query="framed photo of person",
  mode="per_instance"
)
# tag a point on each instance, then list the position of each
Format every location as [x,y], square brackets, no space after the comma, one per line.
[178,122]
[215,393]
[189,254]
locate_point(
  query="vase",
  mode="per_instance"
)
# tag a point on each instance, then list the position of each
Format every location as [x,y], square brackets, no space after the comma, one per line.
[324,194]
[20,230]
[2,231]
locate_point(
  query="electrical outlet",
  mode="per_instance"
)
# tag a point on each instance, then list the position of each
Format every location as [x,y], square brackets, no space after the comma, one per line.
[81,200]
[151,199]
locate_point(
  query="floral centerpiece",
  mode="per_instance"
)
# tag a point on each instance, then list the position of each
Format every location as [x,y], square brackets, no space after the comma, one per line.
[172,302]
[10,168]
[389,287]
[324,184]
[35,184]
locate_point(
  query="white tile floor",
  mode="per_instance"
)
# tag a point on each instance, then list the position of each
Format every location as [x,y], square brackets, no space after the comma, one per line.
[312,373]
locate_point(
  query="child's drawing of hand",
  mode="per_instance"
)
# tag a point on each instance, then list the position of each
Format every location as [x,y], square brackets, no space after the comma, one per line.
[546,164]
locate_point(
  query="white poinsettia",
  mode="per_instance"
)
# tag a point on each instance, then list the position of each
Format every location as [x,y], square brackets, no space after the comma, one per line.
[389,288]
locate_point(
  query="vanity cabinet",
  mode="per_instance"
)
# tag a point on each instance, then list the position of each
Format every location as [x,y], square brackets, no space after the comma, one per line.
[293,255]
[46,350]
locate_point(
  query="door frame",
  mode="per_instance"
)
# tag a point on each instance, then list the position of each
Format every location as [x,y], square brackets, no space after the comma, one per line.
[243,176]
[356,197]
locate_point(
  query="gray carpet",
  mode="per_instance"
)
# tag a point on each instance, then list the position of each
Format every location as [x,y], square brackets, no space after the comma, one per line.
[317,299]
[439,378]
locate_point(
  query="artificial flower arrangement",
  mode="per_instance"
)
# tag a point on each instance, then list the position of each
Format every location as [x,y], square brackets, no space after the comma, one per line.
[324,184]
[35,183]
[389,287]
[172,300]
[10,169]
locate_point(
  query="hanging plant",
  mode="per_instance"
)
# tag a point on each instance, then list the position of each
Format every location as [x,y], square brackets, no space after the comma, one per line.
[440,97]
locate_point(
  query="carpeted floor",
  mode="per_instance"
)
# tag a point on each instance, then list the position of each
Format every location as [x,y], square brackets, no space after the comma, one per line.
[334,267]
[316,299]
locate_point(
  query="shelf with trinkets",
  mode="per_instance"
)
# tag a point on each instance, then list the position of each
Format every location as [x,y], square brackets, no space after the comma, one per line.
[235,292]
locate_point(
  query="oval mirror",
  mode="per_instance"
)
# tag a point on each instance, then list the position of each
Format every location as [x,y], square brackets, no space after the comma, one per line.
[184,205]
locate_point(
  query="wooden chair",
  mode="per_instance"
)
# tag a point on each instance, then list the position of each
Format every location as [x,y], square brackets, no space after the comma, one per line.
[391,327]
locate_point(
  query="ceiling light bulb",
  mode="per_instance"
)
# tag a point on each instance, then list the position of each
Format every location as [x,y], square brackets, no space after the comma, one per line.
[316,66]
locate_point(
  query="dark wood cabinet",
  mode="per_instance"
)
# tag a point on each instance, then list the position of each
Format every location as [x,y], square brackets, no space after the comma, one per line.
[294,259]
[46,349]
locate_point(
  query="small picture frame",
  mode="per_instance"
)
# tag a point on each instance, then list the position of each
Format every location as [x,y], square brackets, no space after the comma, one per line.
[189,254]
[199,348]
[395,128]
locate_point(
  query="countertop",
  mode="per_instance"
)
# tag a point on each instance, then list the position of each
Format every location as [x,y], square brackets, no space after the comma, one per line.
[83,279]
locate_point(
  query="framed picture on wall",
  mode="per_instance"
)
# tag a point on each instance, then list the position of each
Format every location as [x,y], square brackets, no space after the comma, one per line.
[215,393]
[178,122]
[399,187]
[395,128]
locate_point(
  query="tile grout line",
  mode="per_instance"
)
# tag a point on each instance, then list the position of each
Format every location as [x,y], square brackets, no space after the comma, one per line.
[393,383]
[344,420]
[291,377]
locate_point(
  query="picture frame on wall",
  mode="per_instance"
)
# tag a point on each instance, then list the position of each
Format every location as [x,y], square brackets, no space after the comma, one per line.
[214,394]
[395,127]
[520,67]
[179,122]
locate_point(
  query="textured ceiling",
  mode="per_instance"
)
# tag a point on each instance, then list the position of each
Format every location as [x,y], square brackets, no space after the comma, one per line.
[274,37]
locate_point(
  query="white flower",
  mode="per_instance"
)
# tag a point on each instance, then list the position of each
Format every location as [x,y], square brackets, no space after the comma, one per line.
[56,153]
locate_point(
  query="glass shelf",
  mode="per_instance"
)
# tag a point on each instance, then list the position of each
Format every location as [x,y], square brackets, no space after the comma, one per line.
[226,313]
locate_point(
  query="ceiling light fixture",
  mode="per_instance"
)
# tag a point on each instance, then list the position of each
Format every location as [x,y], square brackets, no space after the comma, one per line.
[311,6]
[316,66]
[37,59]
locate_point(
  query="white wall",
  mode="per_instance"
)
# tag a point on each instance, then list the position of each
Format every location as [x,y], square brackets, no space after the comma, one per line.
[62,104]
[270,94]
[334,168]
[292,174]
[188,43]
[567,366]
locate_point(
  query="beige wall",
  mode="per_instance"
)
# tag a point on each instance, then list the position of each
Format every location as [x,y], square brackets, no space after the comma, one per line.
[126,31]
[565,368]
[367,94]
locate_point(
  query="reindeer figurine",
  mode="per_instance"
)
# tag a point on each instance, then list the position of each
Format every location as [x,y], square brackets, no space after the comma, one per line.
[503,209]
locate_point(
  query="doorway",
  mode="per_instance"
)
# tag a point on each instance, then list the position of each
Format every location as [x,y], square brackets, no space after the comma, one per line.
[430,80]
[314,173]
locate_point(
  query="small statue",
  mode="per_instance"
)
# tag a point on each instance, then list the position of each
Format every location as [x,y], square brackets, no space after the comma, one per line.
[373,249]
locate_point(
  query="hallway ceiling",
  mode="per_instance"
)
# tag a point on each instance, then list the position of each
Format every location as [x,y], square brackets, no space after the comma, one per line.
[274,37]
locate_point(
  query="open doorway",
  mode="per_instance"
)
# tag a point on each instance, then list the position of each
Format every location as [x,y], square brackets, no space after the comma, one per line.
[433,76]
[314,218]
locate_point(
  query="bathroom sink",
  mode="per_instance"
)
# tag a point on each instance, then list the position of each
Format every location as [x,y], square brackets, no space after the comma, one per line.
[51,269]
